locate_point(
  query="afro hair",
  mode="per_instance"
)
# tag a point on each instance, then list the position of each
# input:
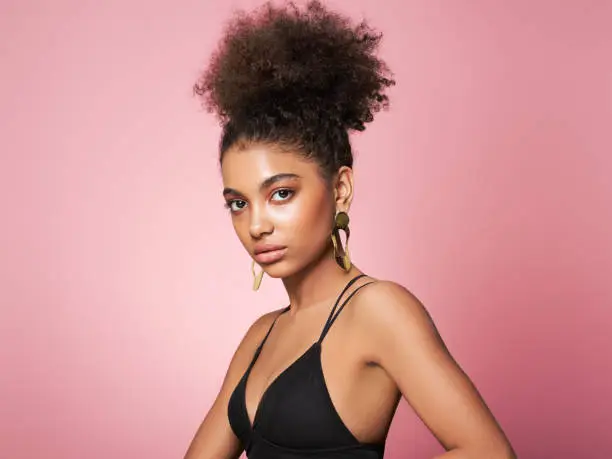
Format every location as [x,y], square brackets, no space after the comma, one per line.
[298,77]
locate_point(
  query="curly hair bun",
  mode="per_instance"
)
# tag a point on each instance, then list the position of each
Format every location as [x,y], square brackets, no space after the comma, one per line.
[296,67]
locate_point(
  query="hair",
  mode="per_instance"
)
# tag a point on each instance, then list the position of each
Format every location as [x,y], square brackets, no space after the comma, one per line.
[295,79]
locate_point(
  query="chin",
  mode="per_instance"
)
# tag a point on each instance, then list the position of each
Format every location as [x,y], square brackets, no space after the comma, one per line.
[280,270]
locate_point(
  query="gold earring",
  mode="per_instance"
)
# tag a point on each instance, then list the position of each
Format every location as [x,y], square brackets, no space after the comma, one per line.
[341,222]
[256,277]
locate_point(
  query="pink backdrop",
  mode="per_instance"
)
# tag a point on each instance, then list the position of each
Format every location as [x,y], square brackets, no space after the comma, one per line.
[486,191]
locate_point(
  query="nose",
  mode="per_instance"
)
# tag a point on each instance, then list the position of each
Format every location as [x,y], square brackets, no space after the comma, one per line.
[260,223]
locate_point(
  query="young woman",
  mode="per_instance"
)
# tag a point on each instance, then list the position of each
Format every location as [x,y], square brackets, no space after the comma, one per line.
[322,377]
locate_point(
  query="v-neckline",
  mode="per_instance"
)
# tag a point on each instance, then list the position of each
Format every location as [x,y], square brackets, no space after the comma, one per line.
[330,319]
[253,422]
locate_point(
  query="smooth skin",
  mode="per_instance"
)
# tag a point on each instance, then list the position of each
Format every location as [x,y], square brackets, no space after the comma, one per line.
[383,346]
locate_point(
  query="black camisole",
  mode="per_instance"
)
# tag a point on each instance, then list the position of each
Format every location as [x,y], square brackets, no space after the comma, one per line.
[295,418]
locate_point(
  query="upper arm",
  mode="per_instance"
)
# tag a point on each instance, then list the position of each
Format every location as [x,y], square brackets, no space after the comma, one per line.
[214,438]
[407,345]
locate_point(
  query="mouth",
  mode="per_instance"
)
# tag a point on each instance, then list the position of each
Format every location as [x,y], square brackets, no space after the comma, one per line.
[270,256]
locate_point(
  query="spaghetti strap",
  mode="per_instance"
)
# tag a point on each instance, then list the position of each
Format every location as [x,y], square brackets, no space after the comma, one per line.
[260,346]
[331,318]
[342,306]
[272,326]
[294,412]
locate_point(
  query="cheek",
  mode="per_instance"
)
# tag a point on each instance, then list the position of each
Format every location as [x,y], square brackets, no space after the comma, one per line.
[308,219]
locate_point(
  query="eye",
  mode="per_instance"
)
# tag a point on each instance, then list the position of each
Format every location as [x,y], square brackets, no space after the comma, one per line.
[235,205]
[283,194]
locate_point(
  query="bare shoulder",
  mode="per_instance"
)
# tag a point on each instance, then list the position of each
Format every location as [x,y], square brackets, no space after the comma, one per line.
[263,322]
[385,309]
[386,302]
[258,329]
[247,348]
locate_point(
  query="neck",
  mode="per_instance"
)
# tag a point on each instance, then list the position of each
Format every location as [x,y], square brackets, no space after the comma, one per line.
[317,282]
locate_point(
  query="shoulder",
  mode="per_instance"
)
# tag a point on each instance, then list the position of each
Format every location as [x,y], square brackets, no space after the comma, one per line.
[385,301]
[251,340]
[258,329]
[387,313]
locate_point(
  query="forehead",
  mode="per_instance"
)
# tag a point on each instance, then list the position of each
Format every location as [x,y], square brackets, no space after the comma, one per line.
[251,165]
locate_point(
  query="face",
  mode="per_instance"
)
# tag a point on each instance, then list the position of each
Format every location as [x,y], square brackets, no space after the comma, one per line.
[280,206]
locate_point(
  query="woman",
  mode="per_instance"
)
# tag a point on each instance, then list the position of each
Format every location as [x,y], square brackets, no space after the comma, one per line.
[322,377]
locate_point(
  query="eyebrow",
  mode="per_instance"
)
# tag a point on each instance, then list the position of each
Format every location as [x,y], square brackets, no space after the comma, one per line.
[265,184]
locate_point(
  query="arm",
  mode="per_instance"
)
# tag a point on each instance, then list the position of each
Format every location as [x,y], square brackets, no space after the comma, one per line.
[214,438]
[406,344]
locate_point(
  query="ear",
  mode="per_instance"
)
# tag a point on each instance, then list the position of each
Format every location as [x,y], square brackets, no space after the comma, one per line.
[343,188]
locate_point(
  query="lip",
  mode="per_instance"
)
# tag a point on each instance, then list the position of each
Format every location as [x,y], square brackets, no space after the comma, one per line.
[259,248]
[269,254]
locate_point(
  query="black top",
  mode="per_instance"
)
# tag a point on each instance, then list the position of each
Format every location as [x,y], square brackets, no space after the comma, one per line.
[295,417]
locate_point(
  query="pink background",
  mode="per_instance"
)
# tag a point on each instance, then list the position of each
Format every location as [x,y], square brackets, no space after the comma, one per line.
[486,191]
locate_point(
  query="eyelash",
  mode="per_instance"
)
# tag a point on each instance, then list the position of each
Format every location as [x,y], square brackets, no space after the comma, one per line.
[291,193]
[228,204]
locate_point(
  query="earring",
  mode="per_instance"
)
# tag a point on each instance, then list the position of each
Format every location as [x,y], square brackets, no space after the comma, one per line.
[341,222]
[256,277]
